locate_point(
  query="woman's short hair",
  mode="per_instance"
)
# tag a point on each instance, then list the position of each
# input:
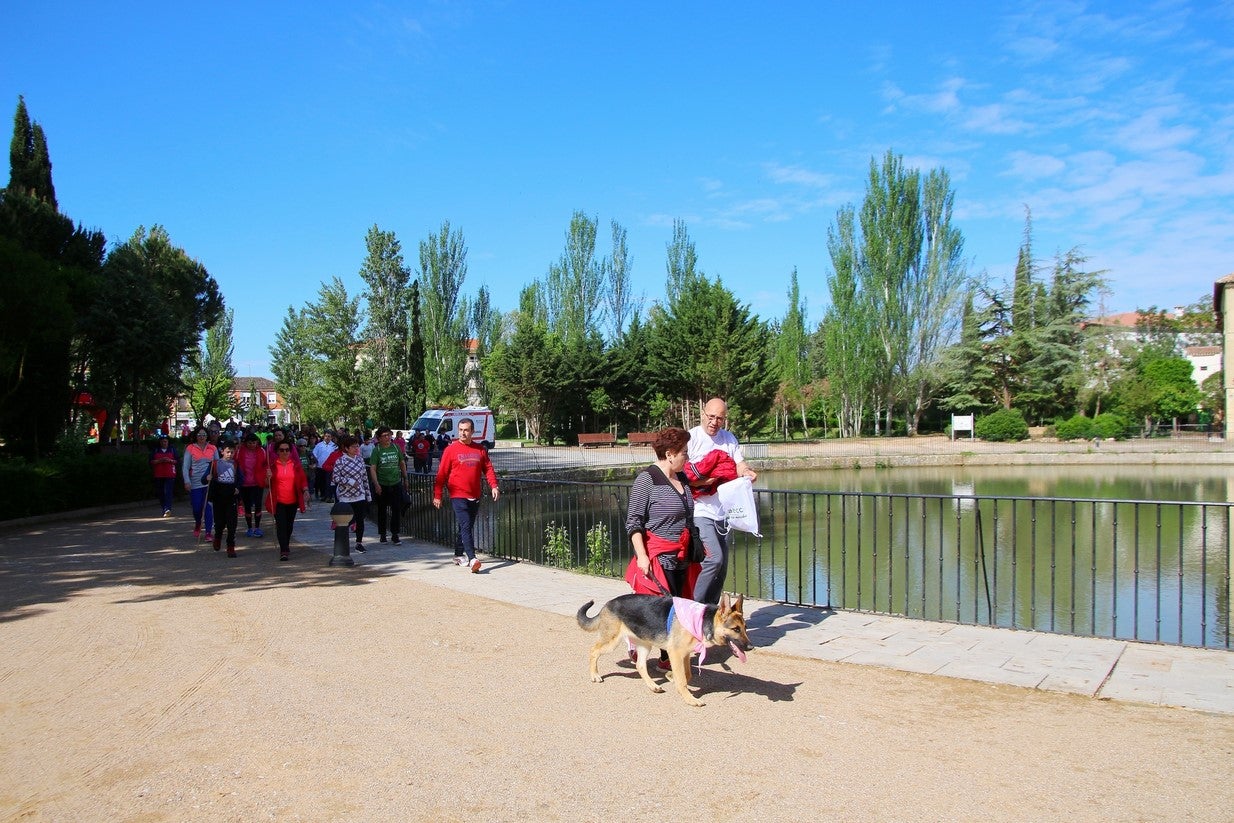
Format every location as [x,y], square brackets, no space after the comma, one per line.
[346,442]
[672,439]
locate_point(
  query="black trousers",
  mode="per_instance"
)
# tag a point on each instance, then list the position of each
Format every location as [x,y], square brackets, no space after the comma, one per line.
[391,498]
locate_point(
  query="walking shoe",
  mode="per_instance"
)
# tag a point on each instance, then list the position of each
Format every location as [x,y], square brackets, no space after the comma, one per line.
[258,533]
[197,533]
[167,512]
[664,666]
[217,545]
[394,539]
[283,555]
[248,533]
[381,538]
[209,535]
[231,551]
[475,565]
[459,560]
[360,547]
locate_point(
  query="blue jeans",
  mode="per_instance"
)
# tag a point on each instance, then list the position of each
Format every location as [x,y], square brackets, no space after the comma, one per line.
[465,512]
[197,498]
[166,488]
[710,583]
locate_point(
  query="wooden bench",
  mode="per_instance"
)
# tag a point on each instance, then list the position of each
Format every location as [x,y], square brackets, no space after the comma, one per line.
[641,438]
[588,441]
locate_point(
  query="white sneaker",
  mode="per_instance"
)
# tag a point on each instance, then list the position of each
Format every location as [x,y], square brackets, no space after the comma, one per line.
[475,565]
[460,560]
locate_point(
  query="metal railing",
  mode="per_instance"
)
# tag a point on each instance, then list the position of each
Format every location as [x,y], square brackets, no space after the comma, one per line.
[1145,570]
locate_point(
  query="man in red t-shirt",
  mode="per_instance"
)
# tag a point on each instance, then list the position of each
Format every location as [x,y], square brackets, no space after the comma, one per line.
[463,464]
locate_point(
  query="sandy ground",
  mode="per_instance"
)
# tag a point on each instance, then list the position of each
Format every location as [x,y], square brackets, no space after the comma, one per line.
[145,679]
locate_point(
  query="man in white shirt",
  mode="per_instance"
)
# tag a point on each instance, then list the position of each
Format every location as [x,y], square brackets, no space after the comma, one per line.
[321,453]
[709,435]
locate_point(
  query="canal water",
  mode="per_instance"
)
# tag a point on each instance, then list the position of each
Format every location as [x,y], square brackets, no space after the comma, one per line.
[1108,482]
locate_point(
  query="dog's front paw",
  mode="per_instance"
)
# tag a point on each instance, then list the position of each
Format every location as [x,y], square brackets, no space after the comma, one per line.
[595,678]
[694,701]
[656,689]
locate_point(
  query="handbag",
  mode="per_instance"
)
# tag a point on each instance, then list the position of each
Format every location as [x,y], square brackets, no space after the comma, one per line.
[696,551]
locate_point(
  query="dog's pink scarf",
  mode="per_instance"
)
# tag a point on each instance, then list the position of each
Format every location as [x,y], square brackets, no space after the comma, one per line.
[690,614]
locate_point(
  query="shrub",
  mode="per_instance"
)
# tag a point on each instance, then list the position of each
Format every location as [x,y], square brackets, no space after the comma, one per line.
[557,550]
[599,549]
[1076,428]
[1002,425]
[1110,426]
[73,482]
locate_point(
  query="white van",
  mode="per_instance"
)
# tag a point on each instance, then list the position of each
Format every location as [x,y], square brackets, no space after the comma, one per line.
[445,421]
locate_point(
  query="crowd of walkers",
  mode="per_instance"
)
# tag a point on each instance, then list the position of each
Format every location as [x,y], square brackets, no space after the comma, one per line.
[675,521]
[233,471]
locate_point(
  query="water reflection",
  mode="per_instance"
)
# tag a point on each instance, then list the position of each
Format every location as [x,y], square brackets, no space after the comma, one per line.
[1106,482]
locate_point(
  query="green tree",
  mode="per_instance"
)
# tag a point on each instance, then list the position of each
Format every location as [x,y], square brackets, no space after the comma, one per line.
[622,306]
[383,378]
[846,339]
[415,356]
[792,357]
[29,160]
[443,268]
[292,364]
[146,331]
[330,334]
[682,263]
[703,343]
[1056,373]
[891,232]
[573,286]
[525,368]
[936,286]
[484,329]
[209,380]
[50,274]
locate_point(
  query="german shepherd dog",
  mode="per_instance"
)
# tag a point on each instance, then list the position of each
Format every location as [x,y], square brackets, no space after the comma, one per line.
[644,619]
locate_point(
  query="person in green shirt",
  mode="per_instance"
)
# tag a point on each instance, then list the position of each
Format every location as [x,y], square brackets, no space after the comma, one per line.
[388,470]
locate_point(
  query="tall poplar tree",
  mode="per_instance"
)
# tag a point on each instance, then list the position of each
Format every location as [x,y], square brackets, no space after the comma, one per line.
[383,375]
[622,305]
[792,347]
[443,268]
[292,364]
[210,377]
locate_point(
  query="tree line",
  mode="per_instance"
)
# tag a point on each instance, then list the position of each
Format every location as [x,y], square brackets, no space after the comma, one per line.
[909,333]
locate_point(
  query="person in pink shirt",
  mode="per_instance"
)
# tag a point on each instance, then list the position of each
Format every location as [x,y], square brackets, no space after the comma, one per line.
[253,462]
[463,465]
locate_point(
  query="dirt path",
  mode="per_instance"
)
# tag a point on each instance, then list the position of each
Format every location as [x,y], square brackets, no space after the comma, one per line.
[144,679]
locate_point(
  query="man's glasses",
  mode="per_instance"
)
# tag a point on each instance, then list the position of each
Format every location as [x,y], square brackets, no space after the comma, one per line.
[714,418]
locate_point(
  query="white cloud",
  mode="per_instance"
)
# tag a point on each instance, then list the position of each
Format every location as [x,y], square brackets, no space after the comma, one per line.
[1033,166]
[798,176]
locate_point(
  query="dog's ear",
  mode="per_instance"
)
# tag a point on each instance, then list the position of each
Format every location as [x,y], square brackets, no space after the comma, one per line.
[737,603]
[724,606]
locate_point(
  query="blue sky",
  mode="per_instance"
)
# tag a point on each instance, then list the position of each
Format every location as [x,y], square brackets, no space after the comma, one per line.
[267,138]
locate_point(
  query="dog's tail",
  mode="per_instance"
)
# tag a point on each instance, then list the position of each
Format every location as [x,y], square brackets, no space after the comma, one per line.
[585,622]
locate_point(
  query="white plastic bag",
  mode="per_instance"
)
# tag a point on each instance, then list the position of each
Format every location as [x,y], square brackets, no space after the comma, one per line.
[737,500]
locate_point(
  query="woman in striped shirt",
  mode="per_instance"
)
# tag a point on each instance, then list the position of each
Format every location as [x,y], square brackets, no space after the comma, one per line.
[657,520]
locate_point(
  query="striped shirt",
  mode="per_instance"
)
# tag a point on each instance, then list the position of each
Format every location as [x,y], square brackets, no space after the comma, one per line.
[656,507]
